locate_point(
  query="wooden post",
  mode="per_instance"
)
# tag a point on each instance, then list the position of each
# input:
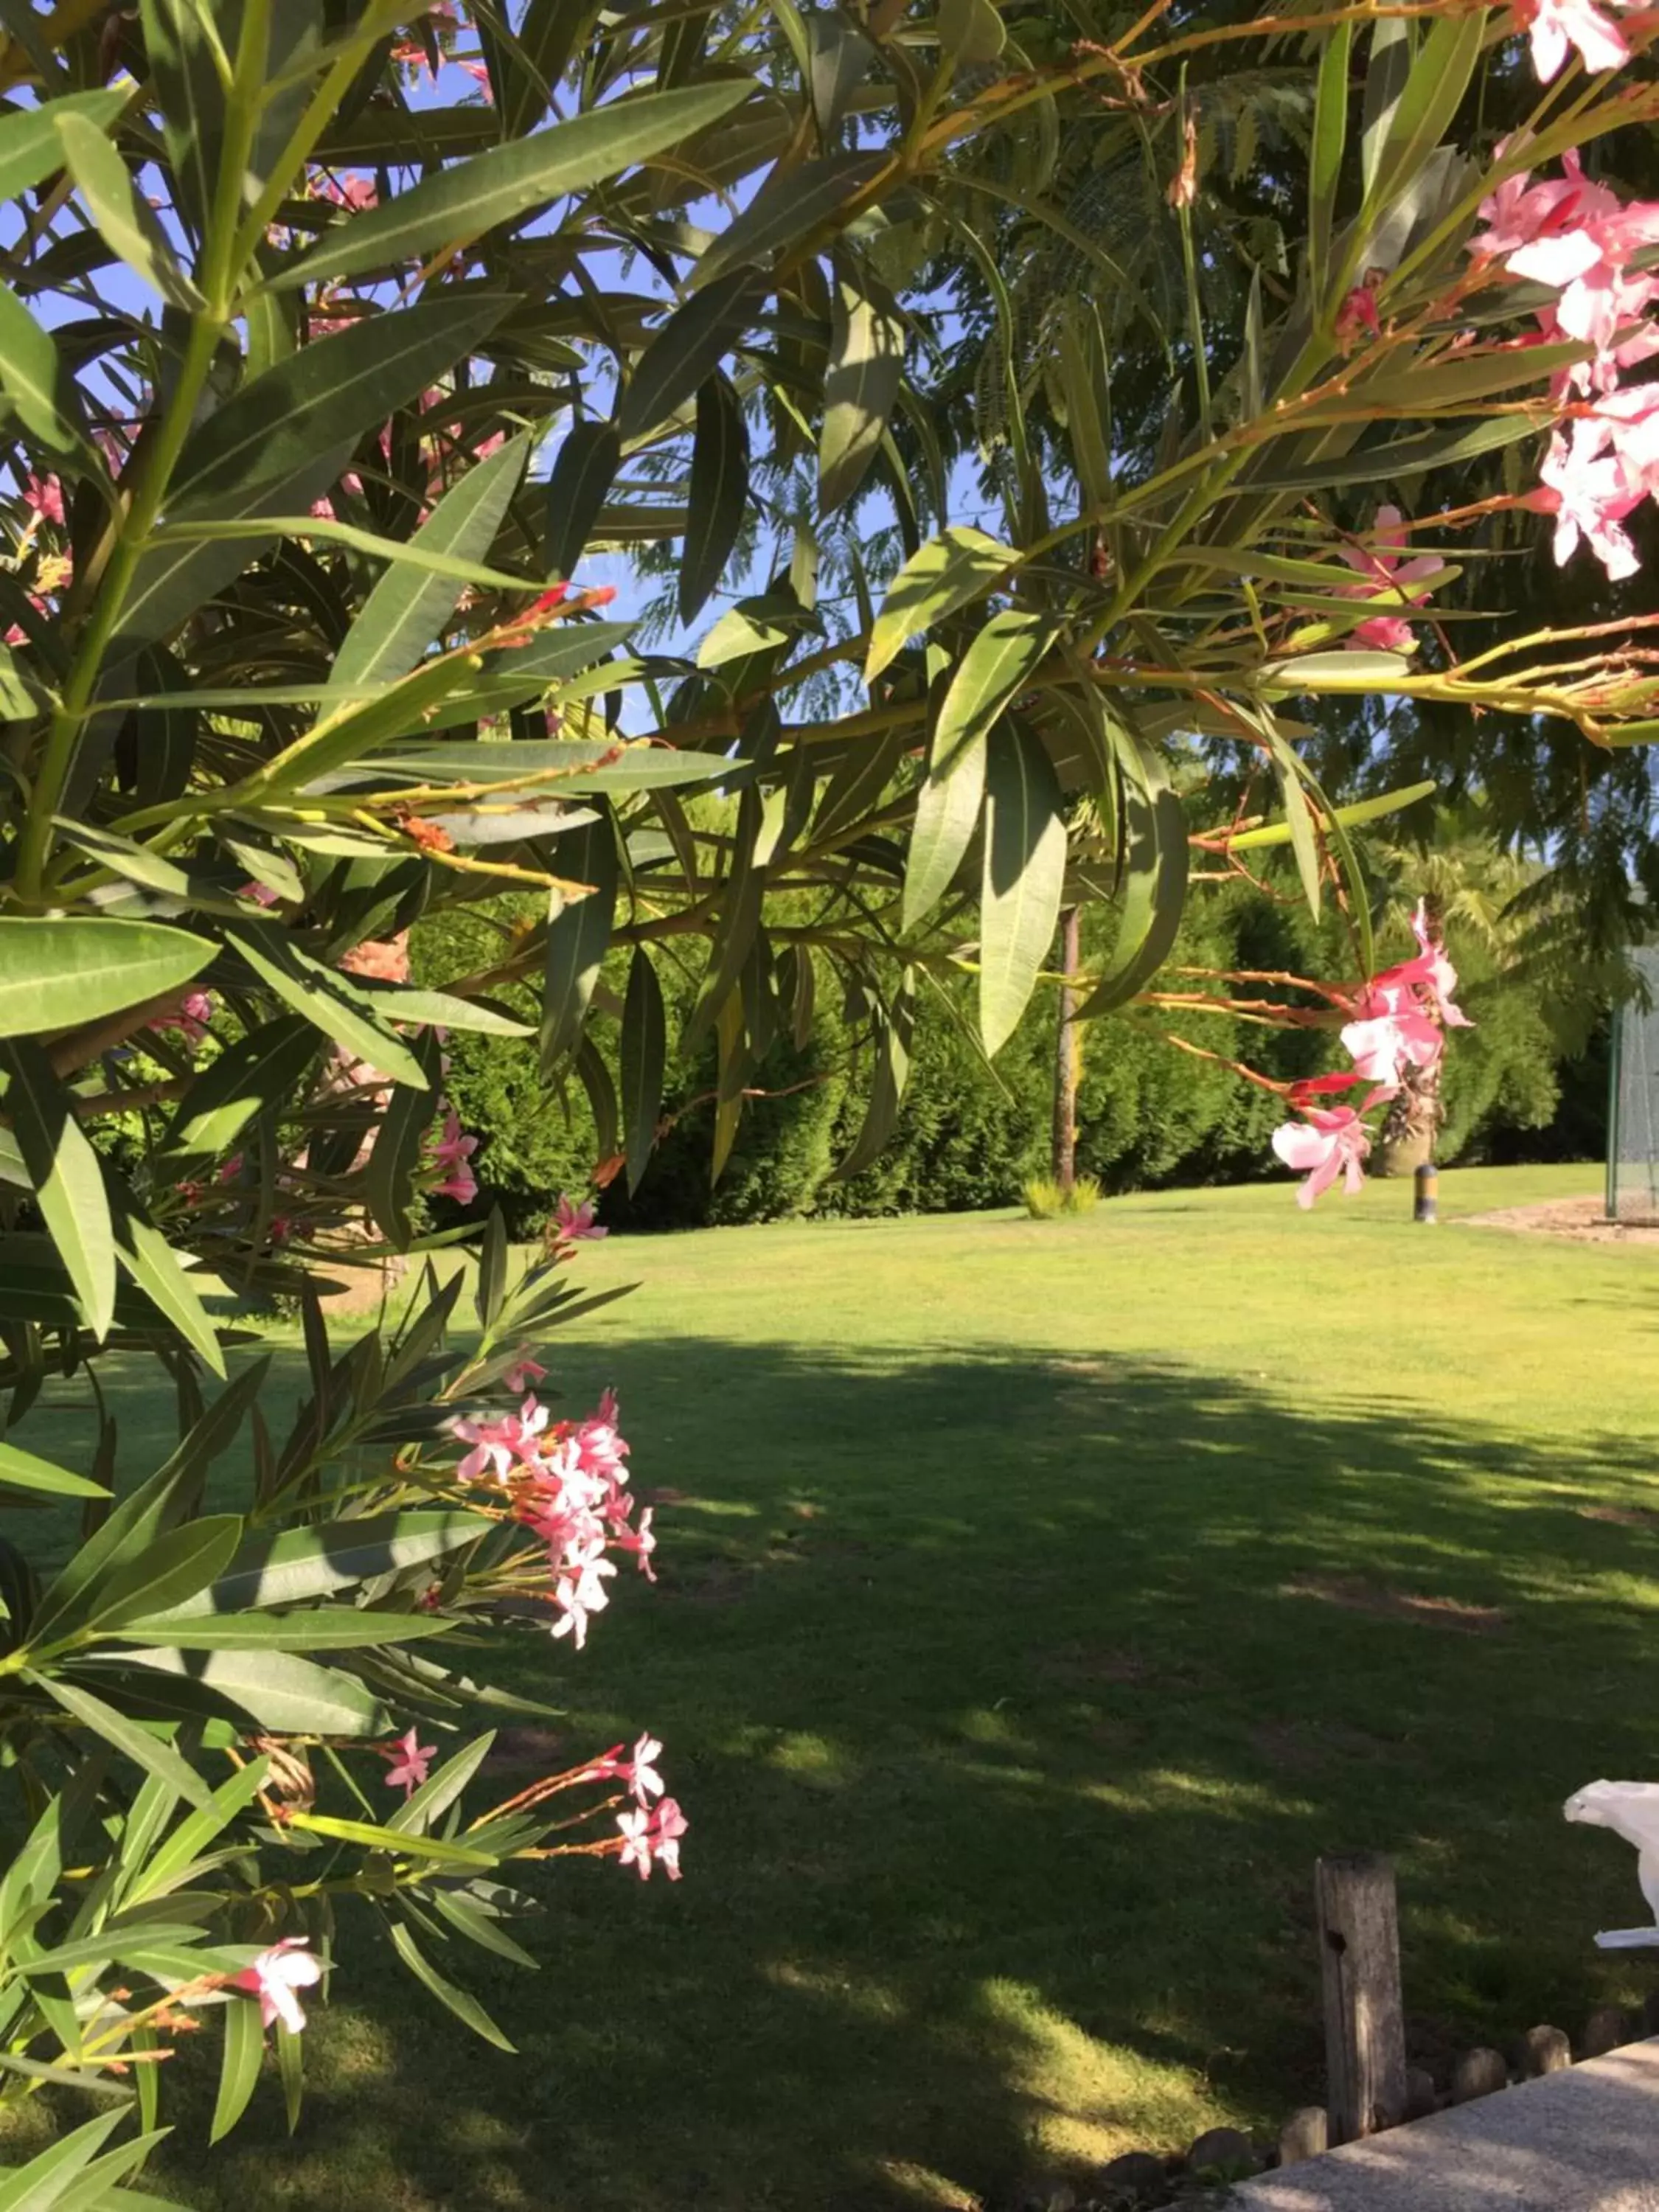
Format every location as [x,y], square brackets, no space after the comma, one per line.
[1364,2022]
[1421,2097]
[1478,2073]
[1544,2050]
[1304,2135]
[1606,2029]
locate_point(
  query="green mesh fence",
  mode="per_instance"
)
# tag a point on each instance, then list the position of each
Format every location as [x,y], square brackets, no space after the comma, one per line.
[1633,1102]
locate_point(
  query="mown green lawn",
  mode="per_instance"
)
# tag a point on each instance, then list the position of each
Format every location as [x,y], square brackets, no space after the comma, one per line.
[1038,1600]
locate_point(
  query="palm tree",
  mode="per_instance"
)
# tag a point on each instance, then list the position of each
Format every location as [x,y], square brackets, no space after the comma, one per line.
[1470,883]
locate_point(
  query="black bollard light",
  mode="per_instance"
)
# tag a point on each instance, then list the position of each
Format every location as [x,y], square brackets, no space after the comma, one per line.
[1427,1182]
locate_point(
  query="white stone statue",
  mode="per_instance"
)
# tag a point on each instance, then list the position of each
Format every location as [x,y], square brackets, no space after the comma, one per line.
[1631,1809]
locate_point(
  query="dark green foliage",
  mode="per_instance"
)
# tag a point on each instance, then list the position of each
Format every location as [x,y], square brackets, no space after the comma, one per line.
[966,1136]
[970,1135]
[535,1139]
[1502,1074]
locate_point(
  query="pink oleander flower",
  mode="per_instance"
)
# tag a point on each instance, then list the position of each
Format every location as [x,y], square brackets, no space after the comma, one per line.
[453,1152]
[1518,211]
[1310,1087]
[1612,316]
[1331,1141]
[574,1221]
[639,1772]
[1577,237]
[1401,1016]
[499,1445]
[411,1769]
[1599,304]
[480,76]
[1388,576]
[1629,421]
[275,1976]
[451,1148]
[348,191]
[1399,1022]
[261,894]
[460,1184]
[1438,975]
[1552,25]
[568,1481]
[17,634]
[1593,494]
[44,497]
[601,1448]
[190,1017]
[1382,634]
[1393,1024]
[524,1373]
[1382,1045]
[112,448]
[653,1838]
[579,1591]
[641,1540]
[1357,313]
[436,20]
[672,1825]
[636,1841]
[533,1414]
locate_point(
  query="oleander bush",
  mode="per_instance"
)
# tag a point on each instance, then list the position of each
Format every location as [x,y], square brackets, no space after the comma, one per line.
[347,354]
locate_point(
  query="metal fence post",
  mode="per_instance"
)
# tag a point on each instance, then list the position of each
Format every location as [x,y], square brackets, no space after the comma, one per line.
[1426,1180]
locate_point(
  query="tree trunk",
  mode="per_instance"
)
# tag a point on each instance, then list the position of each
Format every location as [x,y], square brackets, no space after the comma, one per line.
[1068,1052]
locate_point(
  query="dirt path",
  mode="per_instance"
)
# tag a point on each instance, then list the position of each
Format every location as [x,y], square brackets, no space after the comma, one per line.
[1583,1219]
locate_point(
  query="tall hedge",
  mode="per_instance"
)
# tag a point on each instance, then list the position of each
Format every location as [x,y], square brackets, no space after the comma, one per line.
[969,1135]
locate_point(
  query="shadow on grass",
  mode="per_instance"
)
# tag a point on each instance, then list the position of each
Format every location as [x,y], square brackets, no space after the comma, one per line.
[1012,1701]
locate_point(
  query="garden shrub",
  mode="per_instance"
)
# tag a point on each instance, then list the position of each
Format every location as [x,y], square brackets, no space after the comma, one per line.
[970,1134]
